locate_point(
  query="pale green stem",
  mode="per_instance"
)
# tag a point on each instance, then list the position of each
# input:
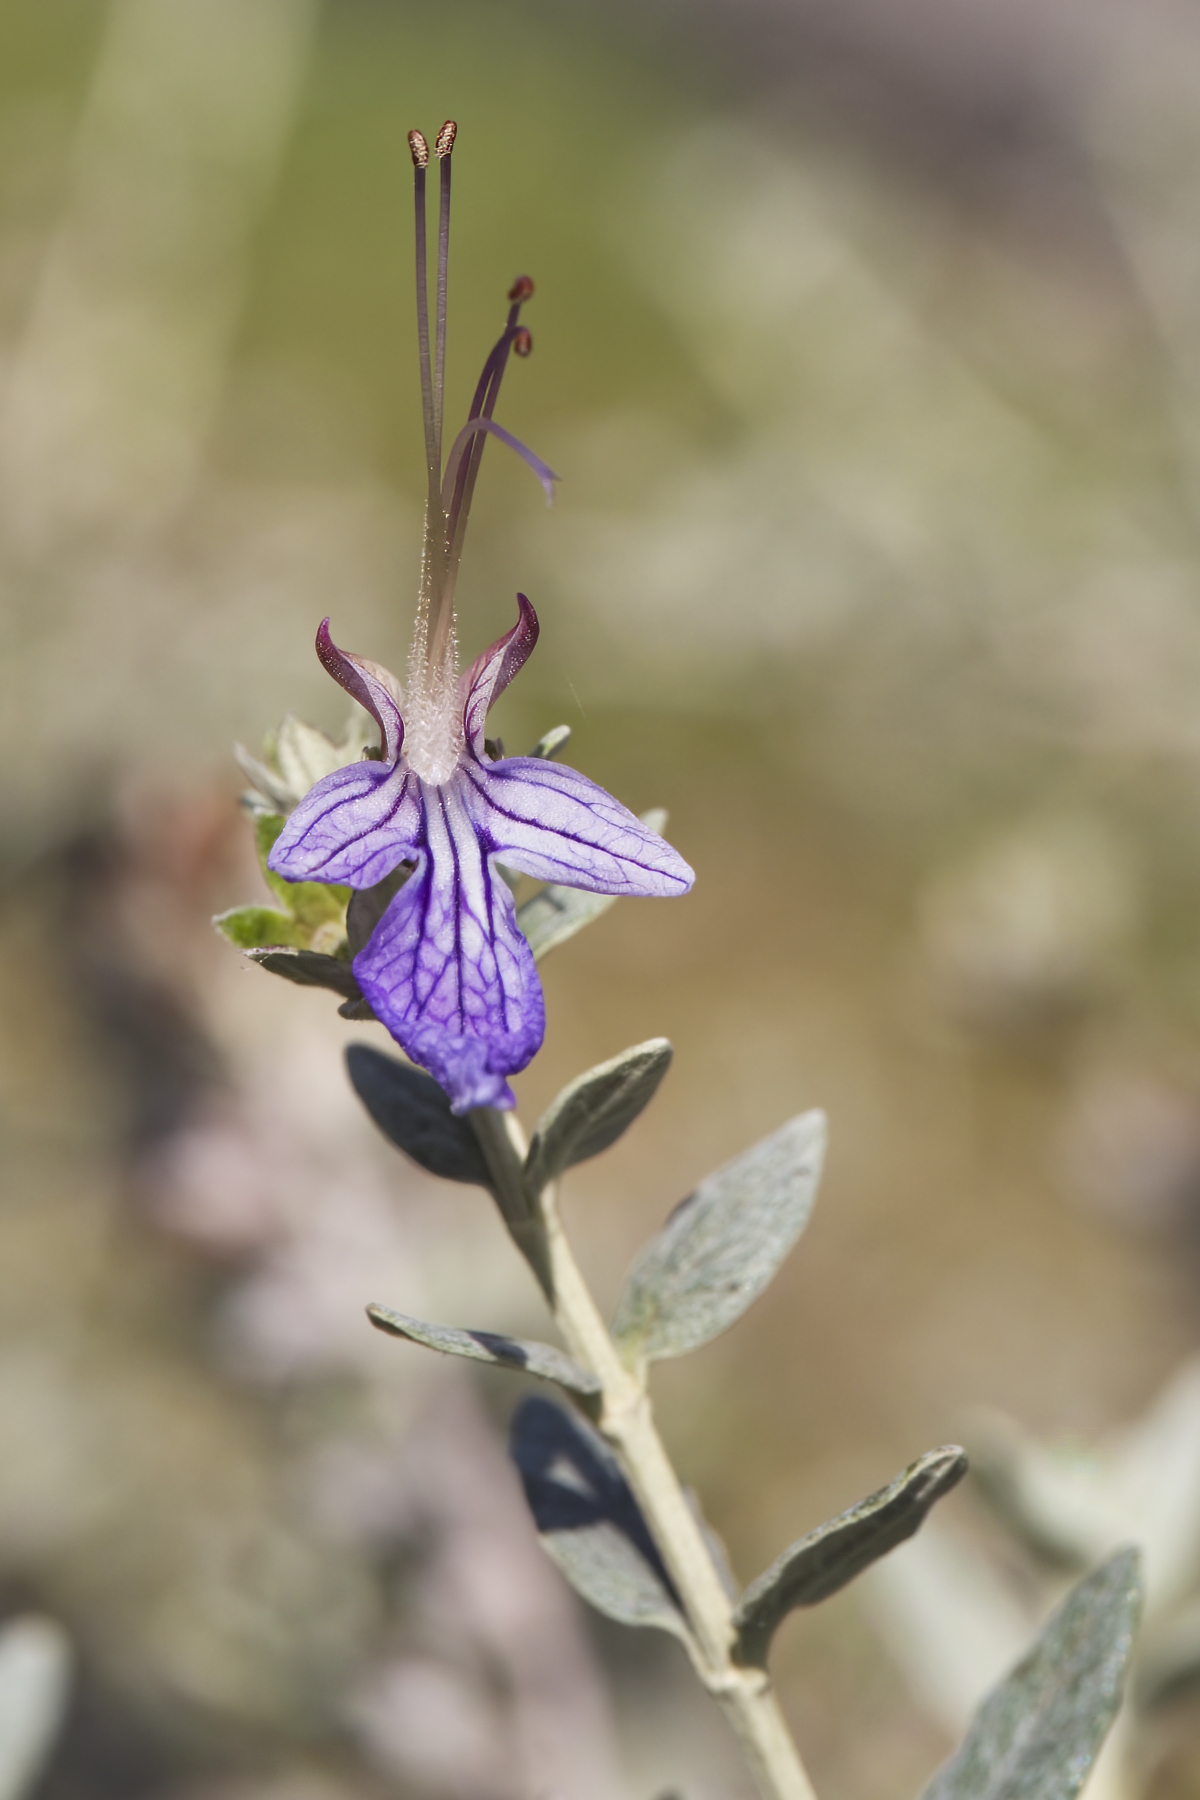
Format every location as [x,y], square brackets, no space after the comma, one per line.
[627,1422]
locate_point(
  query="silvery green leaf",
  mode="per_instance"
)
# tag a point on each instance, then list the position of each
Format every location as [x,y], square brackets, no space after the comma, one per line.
[308,968]
[414,1112]
[269,791]
[818,1565]
[609,1572]
[555,914]
[721,1246]
[593,1111]
[1037,1735]
[552,742]
[35,1674]
[588,1519]
[490,1347]
[295,757]
[304,755]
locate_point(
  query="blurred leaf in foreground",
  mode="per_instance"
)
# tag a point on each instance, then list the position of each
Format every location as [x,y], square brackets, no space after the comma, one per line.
[1037,1735]
[35,1673]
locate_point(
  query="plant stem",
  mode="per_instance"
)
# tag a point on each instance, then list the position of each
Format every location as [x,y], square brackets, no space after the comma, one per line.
[627,1422]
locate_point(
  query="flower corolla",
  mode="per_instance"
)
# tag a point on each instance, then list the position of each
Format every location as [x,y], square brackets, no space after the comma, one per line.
[447,969]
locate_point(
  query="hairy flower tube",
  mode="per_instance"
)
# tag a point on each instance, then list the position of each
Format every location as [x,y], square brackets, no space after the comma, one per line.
[447,969]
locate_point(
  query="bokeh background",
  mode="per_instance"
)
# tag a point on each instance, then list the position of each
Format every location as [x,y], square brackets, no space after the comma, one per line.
[867,344]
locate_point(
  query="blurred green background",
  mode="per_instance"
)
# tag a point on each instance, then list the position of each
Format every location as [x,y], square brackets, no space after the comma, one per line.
[867,343]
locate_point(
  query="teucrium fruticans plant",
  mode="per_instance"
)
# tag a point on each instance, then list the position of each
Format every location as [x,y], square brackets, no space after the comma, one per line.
[391,869]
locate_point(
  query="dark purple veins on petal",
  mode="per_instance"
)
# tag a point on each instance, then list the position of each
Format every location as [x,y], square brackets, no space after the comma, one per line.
[448,970]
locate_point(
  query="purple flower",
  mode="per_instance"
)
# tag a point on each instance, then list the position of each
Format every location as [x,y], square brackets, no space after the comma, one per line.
[447,969]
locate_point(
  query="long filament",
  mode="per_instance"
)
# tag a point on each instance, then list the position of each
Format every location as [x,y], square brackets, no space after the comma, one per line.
[443,263]
[439,629]
[420,156]
[449,499]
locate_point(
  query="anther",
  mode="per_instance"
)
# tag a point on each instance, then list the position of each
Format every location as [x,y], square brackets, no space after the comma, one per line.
[522,341]
[419,149]
[443,144]
[521,290]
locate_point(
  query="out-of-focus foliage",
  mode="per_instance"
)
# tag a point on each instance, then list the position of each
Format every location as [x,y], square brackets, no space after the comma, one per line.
[953,1611]
[35,1679]
[1037,1736]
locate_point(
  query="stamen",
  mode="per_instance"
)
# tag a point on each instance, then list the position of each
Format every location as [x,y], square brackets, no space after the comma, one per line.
[543,471]
[482,407]
[433,559]
[432,661]
[444,144]
[420,155]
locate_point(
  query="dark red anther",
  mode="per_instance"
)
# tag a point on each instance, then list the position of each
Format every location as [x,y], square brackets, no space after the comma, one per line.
[522,341]
[443,143]
[419,149]
[521,289]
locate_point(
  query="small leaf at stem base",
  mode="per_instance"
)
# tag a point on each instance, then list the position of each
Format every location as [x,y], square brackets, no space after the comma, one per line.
[308,968]
[529,1358]
[594,1110]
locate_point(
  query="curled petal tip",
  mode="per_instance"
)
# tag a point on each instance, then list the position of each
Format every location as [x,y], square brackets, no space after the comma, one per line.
[373,686]
[491,673]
